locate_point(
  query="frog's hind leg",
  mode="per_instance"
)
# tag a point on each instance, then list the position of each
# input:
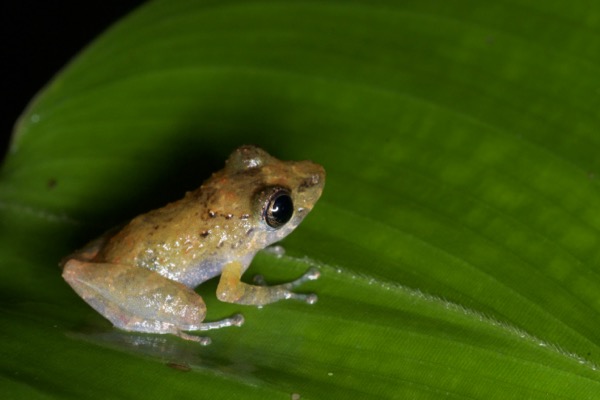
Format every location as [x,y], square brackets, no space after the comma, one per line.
[90,250]
[137,299]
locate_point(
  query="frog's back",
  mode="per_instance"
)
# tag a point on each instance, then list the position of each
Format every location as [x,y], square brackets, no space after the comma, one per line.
[185,241]
[169,232]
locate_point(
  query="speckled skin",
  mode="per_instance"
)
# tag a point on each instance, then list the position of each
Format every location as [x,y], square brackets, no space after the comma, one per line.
[142,276]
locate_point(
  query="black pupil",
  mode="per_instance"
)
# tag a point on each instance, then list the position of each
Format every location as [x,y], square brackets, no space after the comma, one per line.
[280,210]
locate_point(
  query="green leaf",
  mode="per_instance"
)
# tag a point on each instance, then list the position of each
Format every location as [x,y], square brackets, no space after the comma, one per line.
[457,237]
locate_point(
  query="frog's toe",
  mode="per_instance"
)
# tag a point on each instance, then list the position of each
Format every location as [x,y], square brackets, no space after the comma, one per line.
[309,275]
[202,340]
[259,280]
[311,298]
[237,320]
[312,274]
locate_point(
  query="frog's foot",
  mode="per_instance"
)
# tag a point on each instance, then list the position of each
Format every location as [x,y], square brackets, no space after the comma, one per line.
[232,290]
[202,340]
[309,275]
[137,324]
[236,320]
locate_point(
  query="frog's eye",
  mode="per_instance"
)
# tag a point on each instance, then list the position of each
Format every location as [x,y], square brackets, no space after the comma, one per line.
[278,207]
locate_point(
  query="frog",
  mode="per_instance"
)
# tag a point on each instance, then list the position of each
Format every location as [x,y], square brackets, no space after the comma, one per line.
[141,276]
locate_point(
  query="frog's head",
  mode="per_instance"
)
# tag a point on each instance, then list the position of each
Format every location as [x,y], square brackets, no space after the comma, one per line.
[281,193]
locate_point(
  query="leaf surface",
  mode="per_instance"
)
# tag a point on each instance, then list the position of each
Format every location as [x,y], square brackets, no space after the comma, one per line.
[457,236]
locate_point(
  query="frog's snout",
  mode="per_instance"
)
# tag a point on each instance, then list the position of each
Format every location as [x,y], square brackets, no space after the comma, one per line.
[310,182]
[313,177]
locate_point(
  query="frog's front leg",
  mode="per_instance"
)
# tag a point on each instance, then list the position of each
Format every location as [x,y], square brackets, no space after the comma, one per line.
[232,290]
[137,299]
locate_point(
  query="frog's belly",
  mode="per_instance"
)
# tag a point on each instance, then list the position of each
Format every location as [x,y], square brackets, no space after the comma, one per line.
[194,274]
[191,275]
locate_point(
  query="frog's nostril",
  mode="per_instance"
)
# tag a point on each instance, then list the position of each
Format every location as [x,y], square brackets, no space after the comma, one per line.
[309,182]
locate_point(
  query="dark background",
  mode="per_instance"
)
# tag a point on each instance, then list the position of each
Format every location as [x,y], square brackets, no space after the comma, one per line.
[38,38]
